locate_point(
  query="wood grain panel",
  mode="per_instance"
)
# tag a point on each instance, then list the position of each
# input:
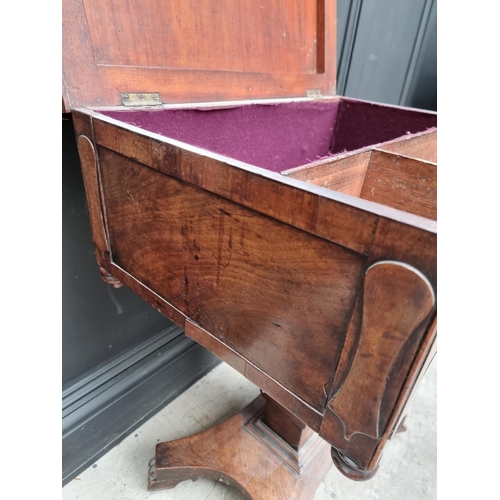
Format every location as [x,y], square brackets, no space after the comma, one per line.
[239,50]
[221,35]
[80,75]
[278,296]
[403,183]
[303,411]
[152,298]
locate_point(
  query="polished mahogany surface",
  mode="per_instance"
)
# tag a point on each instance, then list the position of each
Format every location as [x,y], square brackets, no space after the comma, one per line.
[296,241]
[215,50]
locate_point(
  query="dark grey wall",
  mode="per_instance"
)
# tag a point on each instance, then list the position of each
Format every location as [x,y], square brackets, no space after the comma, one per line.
[122,360]
[386,51]
[99,321]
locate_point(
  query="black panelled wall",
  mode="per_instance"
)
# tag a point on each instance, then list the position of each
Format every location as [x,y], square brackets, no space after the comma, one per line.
[99,321]
[122,360]
[386,51]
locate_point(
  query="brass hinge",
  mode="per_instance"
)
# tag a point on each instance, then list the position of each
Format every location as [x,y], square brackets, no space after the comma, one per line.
[313,93]
[132,99]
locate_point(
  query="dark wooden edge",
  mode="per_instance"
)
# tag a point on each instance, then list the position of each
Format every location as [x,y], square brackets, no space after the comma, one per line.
[103,407]
[432,351]
[218,104]
[159,303]
[298,407]
[424,356]
[93,188]
[393,154]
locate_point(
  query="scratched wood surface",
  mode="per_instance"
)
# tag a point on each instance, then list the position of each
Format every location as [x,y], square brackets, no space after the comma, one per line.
[348,222]
[277,295]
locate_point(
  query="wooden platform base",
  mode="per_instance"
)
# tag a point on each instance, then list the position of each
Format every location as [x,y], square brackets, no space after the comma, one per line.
[246,454]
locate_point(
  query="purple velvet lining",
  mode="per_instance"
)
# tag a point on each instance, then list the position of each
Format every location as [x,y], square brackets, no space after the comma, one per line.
[281,136]
[275,137]
[361,124]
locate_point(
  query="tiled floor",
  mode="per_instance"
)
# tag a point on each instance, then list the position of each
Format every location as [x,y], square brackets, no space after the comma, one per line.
[407,471]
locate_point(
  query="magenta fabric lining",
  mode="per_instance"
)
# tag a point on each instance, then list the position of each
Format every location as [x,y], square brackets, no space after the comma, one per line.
[361,124]
[275,137]
[278,137]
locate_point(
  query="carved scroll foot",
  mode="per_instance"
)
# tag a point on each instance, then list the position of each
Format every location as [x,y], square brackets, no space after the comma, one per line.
[107,278]
[349,469]
[237,453]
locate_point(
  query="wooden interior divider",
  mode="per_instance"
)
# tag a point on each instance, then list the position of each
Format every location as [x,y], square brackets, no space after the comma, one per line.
[398,181]
[345,174]
[401,182]
[421,146]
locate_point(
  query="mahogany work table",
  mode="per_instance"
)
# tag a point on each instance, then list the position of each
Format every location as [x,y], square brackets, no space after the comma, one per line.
[290,231]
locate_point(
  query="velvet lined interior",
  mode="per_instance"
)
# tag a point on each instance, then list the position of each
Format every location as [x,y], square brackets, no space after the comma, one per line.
[361,124]
[278,137]
[274,137]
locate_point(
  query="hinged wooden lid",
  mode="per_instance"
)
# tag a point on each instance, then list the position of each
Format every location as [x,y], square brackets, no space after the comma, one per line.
[197,51]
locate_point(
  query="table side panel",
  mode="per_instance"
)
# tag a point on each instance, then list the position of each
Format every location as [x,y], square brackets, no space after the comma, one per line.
[277,295]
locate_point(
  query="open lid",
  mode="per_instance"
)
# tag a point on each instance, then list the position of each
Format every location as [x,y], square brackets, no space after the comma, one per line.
[196,51]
